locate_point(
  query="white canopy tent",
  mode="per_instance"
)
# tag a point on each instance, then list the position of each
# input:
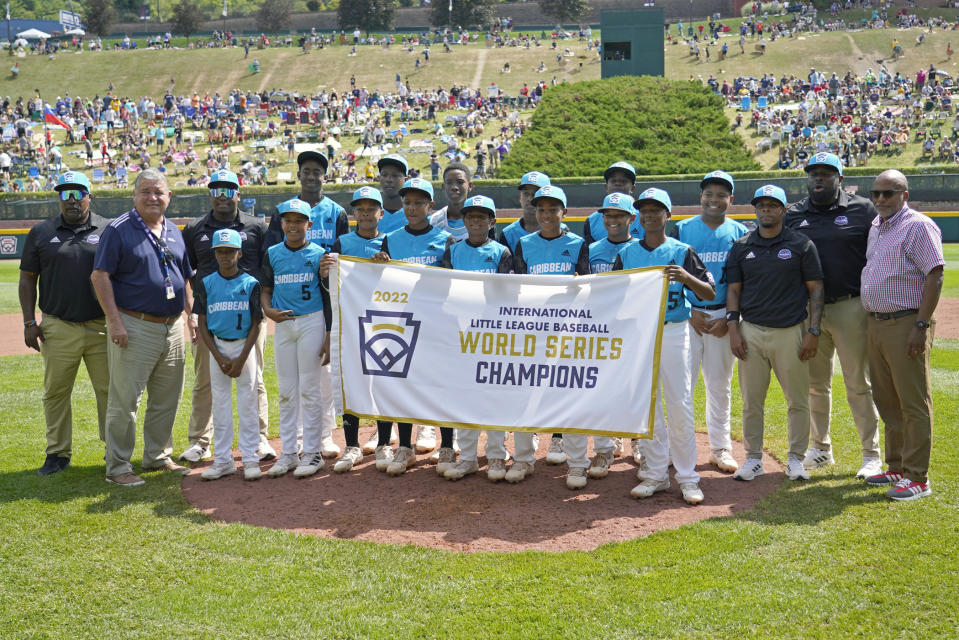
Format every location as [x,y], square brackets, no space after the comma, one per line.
[33,34]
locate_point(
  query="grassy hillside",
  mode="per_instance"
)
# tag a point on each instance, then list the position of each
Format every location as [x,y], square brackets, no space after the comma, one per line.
[658,125]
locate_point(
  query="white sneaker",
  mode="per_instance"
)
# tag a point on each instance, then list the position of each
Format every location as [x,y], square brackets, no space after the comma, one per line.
[576,478]
[636,445]
[618,447]
[870,467]
[796,470]
[692,494]
[251,471]
[425,439]
[265,450]
[196,453]
[495,469]
[461,469]
[556,454]
[402,460]
[518,472]
[648,487]
[370,445]
[310,463]
[444,460]
[599,465]
[723,460]
[351,456]
[751,468]
[218,470]
[283,465]
[384,456]
[816,458]
[328,448]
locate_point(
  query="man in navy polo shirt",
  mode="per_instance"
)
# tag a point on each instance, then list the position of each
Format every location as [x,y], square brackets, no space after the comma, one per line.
[141,277]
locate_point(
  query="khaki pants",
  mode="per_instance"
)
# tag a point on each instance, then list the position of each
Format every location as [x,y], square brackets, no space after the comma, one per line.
[152,361]
[843,331]
[64,345]
[776,349]
[901,390]
[200,430]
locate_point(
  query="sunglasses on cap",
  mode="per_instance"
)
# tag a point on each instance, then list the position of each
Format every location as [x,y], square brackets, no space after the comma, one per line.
[75,194]
[225,192]
[885,193]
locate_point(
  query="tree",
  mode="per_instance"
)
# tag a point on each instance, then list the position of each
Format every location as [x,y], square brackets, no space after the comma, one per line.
[186,18]
[564,11]
[368,15]
[274,15]
[99,16]
[466,13]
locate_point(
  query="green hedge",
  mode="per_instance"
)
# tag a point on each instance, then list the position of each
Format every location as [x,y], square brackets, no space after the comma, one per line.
[658,125]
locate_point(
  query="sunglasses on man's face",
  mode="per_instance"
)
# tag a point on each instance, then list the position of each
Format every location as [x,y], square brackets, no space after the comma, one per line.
[885,193]
[224,192]
[75,194]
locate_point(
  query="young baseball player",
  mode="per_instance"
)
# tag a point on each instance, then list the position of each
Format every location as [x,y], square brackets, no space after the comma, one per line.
[618,214]
[393,170]
[294,297]
[529,184]
[421,243]
[620,177]
[365,242]
[551,250]
[457,187]
[686,272]
[478,253]
[711,234]
[227,303]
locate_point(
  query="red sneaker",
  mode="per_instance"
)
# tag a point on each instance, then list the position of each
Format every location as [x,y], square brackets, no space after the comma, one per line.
[907,489]
[883,479]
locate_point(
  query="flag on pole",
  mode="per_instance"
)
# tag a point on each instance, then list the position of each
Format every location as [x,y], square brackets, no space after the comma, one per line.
[8,13]
[224,8]
[451,6]
[51,118]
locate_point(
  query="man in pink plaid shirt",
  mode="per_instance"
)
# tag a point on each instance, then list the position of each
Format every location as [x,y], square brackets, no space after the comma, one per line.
[901,283]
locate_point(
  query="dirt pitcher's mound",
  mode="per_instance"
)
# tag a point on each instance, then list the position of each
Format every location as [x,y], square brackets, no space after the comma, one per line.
[473,514]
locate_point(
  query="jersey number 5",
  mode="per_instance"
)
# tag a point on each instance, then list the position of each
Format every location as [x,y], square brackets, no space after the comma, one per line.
[305,289]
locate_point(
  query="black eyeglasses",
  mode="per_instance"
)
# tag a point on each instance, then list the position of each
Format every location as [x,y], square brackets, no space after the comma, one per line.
[885,193]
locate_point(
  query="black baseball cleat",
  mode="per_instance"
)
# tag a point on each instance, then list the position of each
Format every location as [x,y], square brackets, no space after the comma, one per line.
[53,464]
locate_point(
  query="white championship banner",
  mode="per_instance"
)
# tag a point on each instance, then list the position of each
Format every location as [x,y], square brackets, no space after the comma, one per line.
[536,353]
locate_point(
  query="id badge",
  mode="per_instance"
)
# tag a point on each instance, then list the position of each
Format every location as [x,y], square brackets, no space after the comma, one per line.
[170,295]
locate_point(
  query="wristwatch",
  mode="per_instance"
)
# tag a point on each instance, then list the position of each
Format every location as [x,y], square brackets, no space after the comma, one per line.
[815,331]
[732,316]
[33,323]
[921,324]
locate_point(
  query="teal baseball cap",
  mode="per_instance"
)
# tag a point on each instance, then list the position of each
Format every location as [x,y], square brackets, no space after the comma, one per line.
[770,191]
[417,184]
[295,206]
[825,160]
[74,179]
[656,195]
[618,202]
[718,177]
[367,193]
[535,178]
[550,191]
[224,178]
[227,238]
[396,160]
[622,165]
[480,203]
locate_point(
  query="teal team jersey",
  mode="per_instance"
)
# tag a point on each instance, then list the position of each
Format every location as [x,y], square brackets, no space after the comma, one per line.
[353,244]
[231,305]
[602,254]
[294,276]
[489,257]
[515,230]
[638,255]
[329,222]
[712,246]
[421,247]
[392,220]
[566,254]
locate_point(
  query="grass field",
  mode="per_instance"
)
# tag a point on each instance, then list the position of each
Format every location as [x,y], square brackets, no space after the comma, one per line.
[825,559]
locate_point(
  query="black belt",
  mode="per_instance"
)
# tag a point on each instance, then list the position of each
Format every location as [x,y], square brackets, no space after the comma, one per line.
[841,298]
[228,339]
[711,307]
[892,316]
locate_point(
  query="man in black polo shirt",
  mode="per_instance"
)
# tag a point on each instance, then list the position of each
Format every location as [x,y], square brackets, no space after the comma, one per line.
[198,236]
[59,254]
[773,274]
[838,224]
